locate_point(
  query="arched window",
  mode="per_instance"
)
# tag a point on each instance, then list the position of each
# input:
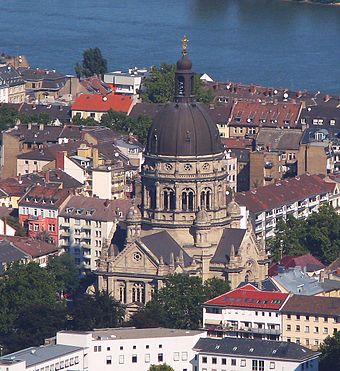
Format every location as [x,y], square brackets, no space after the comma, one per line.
[138,293]
[206,199]
[188,199]
[180,85]
[122,293]
[169,199]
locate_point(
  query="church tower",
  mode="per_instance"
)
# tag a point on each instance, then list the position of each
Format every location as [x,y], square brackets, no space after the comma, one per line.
[185,169]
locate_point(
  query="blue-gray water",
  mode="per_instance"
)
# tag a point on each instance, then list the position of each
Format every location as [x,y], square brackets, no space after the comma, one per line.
[268,42]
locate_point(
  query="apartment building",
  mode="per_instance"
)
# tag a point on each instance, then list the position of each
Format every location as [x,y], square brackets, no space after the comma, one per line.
[299,196]
[253,354]
[134,349]
[12,85]
[39,209]
[308,320]
[245,312]
[126,83]
[45,358]
[87,224]
[248,118]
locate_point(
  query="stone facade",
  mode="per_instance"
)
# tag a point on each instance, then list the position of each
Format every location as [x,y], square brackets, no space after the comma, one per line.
[188,220]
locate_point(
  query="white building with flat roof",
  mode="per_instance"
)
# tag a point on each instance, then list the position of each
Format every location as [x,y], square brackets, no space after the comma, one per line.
[122,349]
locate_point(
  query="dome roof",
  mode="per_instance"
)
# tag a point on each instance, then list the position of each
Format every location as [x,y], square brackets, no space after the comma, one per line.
[183,129]
[184,64]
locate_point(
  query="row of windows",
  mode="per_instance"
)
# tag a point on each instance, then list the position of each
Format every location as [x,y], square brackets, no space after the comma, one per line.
[307,329]
[60,365]
[43,213]
[257,365]
[98,348]
[307,318]
[35,227]
[177,356]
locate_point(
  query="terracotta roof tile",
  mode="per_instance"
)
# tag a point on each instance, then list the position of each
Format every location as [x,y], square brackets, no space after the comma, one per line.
[102,103]
[249,296]
[309,261]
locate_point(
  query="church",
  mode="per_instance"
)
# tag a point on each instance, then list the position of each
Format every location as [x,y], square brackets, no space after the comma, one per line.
[187,220]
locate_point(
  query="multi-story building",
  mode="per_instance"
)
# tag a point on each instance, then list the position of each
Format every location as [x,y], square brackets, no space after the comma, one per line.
[275,156]
[298,196]
[39,209]
[252,354]
[87,225]
[135,349]
[50,357]
[245,312]
[248,118]
[126,83]
[12,86]
[43,84]
[308,320]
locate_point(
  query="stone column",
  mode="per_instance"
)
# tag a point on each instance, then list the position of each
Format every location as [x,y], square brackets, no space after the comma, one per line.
[157,196]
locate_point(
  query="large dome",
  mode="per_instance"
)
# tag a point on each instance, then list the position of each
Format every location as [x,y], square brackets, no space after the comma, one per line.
[183,129]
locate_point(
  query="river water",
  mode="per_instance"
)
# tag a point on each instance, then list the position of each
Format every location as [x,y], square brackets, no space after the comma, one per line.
[271,42]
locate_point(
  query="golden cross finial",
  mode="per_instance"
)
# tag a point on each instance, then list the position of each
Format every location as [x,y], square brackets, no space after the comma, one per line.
[184,45]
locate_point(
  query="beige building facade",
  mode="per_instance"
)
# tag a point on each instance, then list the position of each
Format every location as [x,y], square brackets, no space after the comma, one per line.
[187,220]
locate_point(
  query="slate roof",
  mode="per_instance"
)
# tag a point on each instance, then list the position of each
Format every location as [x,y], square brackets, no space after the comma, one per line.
[60,112]
[10,76]
[284,192]
[162,244]
[323,112]
[249,296]
[147,109]
[45,197]
[92,208]
[313,305]
[329,134]
[36,355]
[220,114]
[260,348]
[278,139]
[311,263]
[12,187]
[230,236]
[242,155]
[102,103]
[50,133]
[298,282]
[9,253]
[32,247]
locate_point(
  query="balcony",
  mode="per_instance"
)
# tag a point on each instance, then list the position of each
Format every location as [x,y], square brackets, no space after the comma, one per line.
[65,233]
[268,178]
[86,228]
[86,245]
[87,254]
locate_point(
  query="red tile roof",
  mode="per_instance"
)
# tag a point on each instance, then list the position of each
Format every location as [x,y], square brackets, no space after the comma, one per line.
[309,261]
[284,192]
[45,197]
[281,114]
[33,247]
[102,103]
[239,143]
[249,296]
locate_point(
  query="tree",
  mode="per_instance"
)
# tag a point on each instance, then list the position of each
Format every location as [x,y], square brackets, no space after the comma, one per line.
[93,63]
[178,303]
[98,311]
[44,236]
[23,285]
[8,116]
[14,223]
[214,287]
[65,273]
[162,367]
[120,122]
[330,353]
[159,87]
[34,324]
[319,235]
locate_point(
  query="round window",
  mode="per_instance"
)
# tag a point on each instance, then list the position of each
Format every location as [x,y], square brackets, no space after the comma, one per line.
[137,256]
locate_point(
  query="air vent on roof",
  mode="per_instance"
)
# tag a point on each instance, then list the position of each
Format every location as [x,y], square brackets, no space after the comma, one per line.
[274,351]
[235,348]
[251,350]
[217,347]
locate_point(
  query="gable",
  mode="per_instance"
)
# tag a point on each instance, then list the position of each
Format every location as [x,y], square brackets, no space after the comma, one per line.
[230,237]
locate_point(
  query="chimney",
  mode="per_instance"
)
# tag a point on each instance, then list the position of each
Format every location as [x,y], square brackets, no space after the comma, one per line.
[5,226]
[95,157]
[41,127]
[29,126]
[60,158]
[47,176]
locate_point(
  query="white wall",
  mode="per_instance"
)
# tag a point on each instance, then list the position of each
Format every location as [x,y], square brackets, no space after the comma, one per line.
[102,184]
[74,170]
[146,349]
[8,231]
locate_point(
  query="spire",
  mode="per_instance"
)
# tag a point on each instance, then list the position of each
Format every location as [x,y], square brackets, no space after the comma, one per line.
[172,260]
[184,80]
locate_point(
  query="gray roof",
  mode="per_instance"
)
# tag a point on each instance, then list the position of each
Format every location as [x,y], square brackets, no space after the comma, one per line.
[260,348]
[10,76]
[279,139]
[133,333]
[296,281]
[162,244]
[9,253]
[36,355]
[230,236]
